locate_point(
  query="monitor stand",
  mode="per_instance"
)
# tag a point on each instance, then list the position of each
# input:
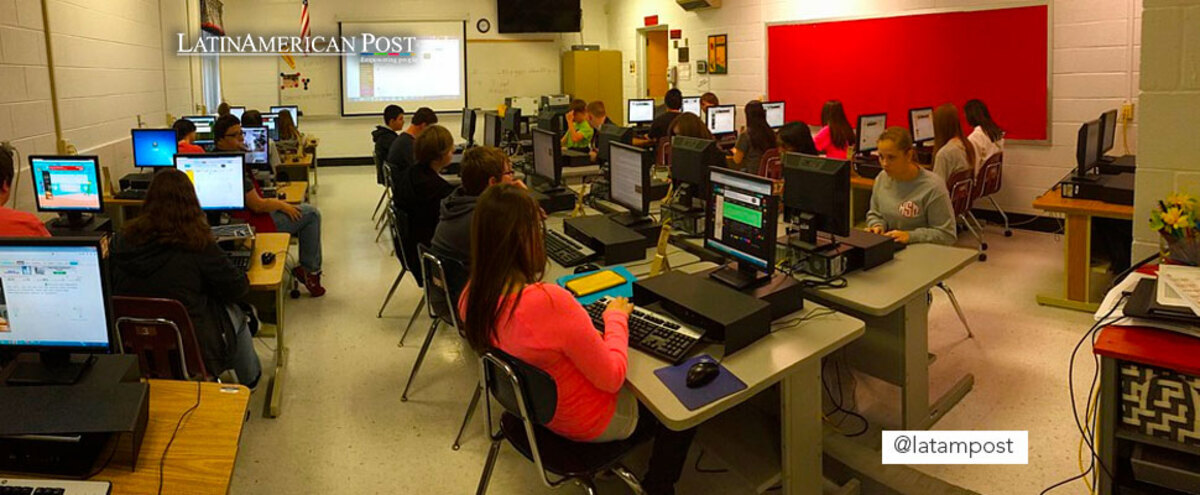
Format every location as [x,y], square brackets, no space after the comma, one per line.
[72,221]
[630,219]
[215,218]
[740,276]
[807,237]
[52,368]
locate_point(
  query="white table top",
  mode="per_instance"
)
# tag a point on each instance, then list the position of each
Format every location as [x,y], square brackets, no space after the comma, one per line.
[885,288]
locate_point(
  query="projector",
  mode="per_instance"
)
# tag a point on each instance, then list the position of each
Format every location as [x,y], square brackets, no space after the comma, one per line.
[549,101]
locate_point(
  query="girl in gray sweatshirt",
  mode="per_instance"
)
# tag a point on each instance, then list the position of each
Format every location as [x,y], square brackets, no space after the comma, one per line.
[908,203]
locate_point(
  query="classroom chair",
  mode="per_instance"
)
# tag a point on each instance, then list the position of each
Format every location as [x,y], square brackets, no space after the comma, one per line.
[380,171]
[529,397]
[399,229]
[987,183]
[386,218]
[960,184]
[160,333]
[771,165]
[441,289]
[662,152]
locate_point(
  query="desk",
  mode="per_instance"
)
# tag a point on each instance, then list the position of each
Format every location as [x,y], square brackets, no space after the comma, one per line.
[1078,245]
[202,457]
[268,279]
[294,192]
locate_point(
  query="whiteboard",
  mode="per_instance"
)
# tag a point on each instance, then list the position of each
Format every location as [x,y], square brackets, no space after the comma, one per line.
[323,93]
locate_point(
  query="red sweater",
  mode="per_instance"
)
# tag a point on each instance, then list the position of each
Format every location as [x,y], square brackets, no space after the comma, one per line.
[549,329]
[15,223]
[824,142]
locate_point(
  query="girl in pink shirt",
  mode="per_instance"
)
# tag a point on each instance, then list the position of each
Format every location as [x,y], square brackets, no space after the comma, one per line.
[836,137]
[507,307]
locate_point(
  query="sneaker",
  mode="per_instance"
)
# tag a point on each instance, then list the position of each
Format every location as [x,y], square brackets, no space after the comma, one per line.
[311,281]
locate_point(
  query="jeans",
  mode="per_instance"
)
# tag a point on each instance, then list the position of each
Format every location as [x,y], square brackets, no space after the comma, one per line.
[308,230]
[244,359]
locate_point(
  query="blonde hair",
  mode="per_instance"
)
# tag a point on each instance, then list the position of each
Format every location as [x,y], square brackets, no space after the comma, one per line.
[898,136]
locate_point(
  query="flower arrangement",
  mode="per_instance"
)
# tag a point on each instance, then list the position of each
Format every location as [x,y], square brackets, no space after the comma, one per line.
[1177,221]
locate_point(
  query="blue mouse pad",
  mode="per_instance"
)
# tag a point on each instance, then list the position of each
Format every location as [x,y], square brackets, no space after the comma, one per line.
[623,290]
[675,378]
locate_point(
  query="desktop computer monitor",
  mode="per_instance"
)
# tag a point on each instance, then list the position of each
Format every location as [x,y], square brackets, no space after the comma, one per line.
[629,181]
[775,116]
[611,133]
[54,301]
[218,179]
[641,111]
[691,104]
[1108,131]
[257,149]
[492,126]
[721,119]
[547,158]
[816,194]
[270,121]
[690,160]
[237,111]
[553,119]
[154,147]
[920,122]
[204,128]
[740,222]
[512,121]
[1087,147]
[870,127]
[467,129]
[67,185]
[292,109]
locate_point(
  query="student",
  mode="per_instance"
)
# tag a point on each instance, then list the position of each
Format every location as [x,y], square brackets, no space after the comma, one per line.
[690,126]
[419,190]
[185,133]
[222,109]
[597,116]
[988,138]
[908,203]
[951,151]
[15,223]
[482,167]
[795,137]
[384,135]
[836,136]
[578,134]
[302,221]
[253,118]
[291,141]
[661,126]
[400,155]
[169,251]
[506,306]
[708,100]
[756,139]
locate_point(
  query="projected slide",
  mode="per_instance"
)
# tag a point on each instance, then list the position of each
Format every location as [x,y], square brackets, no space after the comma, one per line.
[66,184]
[412,64]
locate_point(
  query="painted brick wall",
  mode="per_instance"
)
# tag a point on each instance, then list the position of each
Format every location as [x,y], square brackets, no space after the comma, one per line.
[26,118]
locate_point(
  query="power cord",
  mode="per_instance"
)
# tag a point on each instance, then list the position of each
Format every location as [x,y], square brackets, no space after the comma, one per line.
[707,470]
[163,460]
[838,403]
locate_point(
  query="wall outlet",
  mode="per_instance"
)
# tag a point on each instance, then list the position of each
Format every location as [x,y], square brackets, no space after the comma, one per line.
[1127,112]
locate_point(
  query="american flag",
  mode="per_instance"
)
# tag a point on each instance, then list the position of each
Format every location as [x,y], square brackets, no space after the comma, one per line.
[304,31]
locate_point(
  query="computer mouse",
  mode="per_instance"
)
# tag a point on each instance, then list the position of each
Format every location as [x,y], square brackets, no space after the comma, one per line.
[700,374]
[268,258]
[281,195]
[586,267]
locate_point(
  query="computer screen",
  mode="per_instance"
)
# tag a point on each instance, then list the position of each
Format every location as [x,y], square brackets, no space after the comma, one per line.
[920,122]
[691,158]
[870,127]
[255,140]
[293,109]
[1108,130]
[545,155]
[237,112]
[271,122]
[217,178]
[512,120]
[467,128]
[611,133]
[721,119]
[204,128]
[774,113]
[641,111]
[629,172]
[491,129]
[820,187]
[692,104]
[154,147]
[741,218]
[1087,146]
[66,183]
[52,295]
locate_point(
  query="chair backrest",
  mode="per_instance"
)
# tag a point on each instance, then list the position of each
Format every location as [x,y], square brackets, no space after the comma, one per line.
[771,165]
[959,185]
[386,168]
[159,332]
[990,176]
[662,152]
[524,390]
[378,167]
[445,278]
[399,227]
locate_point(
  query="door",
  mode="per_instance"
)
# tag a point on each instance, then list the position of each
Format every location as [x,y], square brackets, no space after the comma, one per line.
[656,64]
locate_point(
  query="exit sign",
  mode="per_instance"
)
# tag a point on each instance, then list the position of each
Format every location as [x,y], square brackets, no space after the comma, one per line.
[651,20]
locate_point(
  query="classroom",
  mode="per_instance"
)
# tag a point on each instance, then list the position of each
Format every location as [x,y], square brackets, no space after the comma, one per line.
[637,247]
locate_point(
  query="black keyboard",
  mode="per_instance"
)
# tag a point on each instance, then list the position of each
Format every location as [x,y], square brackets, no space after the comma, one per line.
[13,486]
[565,251]
[241,261]
[652,333]
[131,194]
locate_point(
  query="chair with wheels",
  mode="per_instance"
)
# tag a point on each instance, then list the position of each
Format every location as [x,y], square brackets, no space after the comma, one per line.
[771,165]
[529,399]
[987,184]
[160,333]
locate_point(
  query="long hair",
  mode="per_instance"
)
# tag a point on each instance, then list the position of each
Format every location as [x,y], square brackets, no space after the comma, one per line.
[506,254]
[841,134]
[978,115]
[796,137]
[946,127]
[171,215]
[690,125]
[287,126]
[762,136]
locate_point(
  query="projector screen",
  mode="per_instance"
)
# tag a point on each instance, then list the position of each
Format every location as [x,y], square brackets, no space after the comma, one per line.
[410,63]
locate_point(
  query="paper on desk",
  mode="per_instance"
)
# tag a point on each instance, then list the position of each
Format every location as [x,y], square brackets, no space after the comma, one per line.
[1185,281]
[1117,317]
[1167,296]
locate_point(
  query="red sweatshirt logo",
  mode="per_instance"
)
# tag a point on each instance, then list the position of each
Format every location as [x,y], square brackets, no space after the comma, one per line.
[908,209]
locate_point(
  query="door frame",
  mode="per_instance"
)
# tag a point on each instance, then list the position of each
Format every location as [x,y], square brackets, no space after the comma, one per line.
[642,84]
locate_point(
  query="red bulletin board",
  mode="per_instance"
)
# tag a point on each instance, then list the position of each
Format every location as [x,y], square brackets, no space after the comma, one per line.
[894,64]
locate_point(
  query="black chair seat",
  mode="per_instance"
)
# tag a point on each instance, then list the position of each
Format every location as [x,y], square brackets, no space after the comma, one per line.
[561,456]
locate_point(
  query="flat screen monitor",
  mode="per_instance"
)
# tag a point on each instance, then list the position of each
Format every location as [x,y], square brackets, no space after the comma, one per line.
[775,116]
[920,122]
[237,111]
[691,104]
[1108,130]
[467,128]
[1087,147]
[870,127]
[271,122]
[740,222]
[611,133]
[154,147]
[629,180]
[512,120]
[491,129]
[53,296]
[204,128]
[690,160]
[218,179]
[641,111]
[292,109]
[546,156]
[257,149]
[818,189]
[721,119]
[66,184]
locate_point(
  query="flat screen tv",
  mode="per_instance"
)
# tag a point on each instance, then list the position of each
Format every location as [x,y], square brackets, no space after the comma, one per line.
[538,16]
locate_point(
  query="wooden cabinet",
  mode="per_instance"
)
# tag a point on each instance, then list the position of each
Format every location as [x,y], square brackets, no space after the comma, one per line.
[596,75]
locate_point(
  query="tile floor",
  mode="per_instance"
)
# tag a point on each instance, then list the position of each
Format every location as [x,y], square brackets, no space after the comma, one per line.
[345,430]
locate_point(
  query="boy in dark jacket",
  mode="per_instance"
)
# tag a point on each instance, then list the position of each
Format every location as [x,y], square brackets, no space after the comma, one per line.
[482,166]
[383,137]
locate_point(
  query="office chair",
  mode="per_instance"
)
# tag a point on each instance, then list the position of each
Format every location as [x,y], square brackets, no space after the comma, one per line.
[399,230]
[160,333]
[441,286]
[988,182]
[960,184]
[529,398]
[771,165]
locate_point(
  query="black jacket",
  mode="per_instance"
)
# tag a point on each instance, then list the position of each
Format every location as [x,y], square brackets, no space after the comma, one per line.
[400,154]
[661,127]
[453,234]
[419,191]
[383,138]
[205,282]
